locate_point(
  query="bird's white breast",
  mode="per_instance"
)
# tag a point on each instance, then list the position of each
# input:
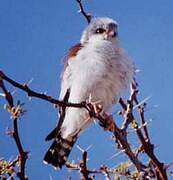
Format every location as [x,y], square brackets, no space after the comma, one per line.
[99,70]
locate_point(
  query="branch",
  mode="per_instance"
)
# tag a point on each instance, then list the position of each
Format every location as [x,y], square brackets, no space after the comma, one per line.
[84,171]
[82,11]
[144,138]
[141,108]
[120,136]
[149,150]
[83,167]
[42,96]
[15,133]
[105,121]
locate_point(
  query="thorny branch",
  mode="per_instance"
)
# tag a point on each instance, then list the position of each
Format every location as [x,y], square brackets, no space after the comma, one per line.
[42,96]
[83,166]
[85,172]
[15,113]
[145,141]
[144,138]
[105,121]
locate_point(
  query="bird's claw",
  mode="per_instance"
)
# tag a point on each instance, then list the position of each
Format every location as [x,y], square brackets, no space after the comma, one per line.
[108,123]
[96,106]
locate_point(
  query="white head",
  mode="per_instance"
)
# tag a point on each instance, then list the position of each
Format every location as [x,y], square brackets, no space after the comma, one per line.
[102,28]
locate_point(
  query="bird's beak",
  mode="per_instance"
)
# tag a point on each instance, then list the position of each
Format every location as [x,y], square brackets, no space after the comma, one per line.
[112,30]
[111,33]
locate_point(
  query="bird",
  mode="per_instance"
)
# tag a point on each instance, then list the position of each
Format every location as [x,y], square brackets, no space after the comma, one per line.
[97,70]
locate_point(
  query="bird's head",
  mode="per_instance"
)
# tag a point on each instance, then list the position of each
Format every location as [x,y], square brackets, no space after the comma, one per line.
[102,28]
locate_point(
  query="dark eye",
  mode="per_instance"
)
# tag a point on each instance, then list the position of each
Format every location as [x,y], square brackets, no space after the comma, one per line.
[100,31]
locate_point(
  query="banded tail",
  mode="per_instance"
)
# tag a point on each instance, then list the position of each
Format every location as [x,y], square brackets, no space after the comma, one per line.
[59,151]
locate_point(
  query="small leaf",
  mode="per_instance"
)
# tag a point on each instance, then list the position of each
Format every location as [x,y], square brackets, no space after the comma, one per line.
[122,168]
[134,124]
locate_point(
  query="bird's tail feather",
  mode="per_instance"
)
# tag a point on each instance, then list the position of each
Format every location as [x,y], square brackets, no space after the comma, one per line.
[59,151]
[52,134]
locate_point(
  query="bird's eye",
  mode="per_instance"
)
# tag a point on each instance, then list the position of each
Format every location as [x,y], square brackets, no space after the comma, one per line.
[100,31]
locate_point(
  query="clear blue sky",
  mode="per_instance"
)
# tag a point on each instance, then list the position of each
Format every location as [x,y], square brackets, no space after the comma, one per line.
[34,36]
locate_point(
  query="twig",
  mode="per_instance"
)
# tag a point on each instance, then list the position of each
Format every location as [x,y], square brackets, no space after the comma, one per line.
[82,11]
[149,150]
[104,170]
[141,109]
[83,167]
[108,124]
[128,116]
[123,104]
[145,141]
[141,112]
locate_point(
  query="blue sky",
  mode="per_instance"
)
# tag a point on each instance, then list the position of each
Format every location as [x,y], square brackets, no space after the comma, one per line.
[34,36]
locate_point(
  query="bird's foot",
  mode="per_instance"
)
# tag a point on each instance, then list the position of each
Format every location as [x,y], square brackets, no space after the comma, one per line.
[108,122]
[95,106]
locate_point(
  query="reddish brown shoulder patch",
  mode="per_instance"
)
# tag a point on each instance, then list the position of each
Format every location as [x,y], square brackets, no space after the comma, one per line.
[74,50]
[71,53]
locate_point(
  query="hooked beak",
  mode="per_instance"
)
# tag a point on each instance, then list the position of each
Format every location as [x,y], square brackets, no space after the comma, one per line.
[111,31]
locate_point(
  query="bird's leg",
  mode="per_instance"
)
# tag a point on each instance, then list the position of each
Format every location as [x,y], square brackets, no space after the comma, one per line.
[108,123]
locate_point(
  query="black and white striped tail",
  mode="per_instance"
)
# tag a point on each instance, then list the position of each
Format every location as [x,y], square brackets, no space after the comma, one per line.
[59,151]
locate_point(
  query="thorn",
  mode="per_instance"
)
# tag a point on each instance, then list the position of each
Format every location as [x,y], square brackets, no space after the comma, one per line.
[10,159]
[45,92]
[89,147]
[2,94]
[117,154]
[14,91]
[156,106]
[82,150]
[140,127]
[142,102]
[10,177]
[9,132]
[137,70]
[167,166]
[50,177]
[90,98]
[29,82]
[95,121]
[146,123]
